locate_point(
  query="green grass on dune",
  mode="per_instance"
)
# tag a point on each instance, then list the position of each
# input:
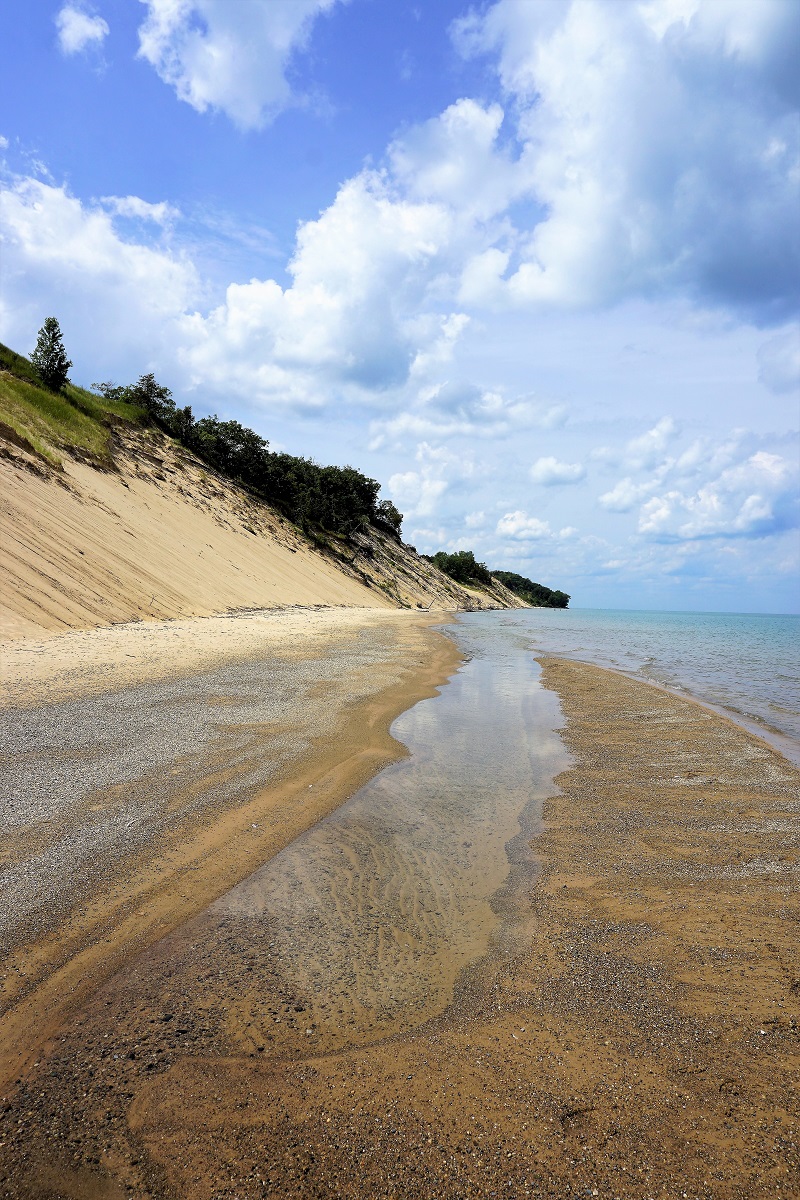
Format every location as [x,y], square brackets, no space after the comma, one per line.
[52,421]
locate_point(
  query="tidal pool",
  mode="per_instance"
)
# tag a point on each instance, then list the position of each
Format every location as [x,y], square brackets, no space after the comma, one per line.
[363,924]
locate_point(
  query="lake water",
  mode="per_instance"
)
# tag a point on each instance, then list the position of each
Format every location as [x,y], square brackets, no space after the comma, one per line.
[746,664]
[374,912]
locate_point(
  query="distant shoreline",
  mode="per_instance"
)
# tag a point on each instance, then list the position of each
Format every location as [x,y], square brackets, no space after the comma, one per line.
[778,741]
[737,664]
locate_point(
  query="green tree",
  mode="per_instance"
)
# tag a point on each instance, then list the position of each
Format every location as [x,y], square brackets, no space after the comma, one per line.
[49,359]
[462,567]
[532,593]
[338,499]
[146,393]
[387,514]
[154,397]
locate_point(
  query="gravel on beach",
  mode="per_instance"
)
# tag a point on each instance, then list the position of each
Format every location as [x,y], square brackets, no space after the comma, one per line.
[126,810]
[634,1032]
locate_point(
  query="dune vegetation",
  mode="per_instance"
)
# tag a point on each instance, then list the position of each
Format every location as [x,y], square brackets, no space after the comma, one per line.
[323,501]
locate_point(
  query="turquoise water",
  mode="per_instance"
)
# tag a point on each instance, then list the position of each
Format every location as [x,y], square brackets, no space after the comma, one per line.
[747,664]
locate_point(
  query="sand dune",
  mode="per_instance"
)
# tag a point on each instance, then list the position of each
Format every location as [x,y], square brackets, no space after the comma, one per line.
[163,536]
[163,539]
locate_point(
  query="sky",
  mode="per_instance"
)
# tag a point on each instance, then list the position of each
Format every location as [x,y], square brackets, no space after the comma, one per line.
[534,265]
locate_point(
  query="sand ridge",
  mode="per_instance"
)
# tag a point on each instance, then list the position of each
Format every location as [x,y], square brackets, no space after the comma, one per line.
[156,534]
[159,537]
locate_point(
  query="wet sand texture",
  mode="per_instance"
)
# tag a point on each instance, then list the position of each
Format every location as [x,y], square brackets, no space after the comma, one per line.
[631,1031]
[126,812]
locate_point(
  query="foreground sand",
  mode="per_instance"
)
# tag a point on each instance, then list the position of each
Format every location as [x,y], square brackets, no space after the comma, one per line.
[149,768]
[634,1033]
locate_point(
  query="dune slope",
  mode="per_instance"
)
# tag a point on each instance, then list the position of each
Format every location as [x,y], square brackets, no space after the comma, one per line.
[157,534]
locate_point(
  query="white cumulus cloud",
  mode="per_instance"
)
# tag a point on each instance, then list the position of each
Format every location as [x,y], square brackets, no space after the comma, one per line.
[118,299]
[624,496]
[160,213]
[459,409]
[79,29]
[454,158]
[229,56]
[361,310]
[660,143]
[522,527]
[647,451]
[416,495]
[475,520]
[419,492]
[753,498]
[550,472]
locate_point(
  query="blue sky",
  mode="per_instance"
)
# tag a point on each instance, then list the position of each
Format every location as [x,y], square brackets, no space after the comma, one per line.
[533,264]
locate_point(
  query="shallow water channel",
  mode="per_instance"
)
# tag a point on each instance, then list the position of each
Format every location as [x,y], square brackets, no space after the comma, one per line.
[368,919]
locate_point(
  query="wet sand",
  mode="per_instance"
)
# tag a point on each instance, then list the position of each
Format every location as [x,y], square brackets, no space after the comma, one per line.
[630,1031]
[167,764]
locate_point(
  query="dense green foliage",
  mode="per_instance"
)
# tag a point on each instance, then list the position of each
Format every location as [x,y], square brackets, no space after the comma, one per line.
[337,499]
[49,359]
[389,516]
[462,567]
[532,593]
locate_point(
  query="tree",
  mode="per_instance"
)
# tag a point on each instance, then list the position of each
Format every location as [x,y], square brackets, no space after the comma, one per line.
[49,359]
[532,593]
[387,514]
[153,397]
[462,567]
[146,393]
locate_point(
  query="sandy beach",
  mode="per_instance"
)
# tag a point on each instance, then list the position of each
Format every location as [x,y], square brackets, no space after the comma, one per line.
[632,1031]
[148,768]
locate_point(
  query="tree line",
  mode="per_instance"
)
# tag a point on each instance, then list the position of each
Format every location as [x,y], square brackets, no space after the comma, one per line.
[532,593]
[463,567]
[337,499]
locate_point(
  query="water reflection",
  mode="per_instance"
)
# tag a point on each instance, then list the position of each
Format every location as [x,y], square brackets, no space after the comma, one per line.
[369,917]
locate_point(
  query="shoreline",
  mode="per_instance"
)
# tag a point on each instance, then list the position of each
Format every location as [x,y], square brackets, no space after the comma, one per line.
[182,862]
[781,743]
[76,663]
[738,664]
[638,1028]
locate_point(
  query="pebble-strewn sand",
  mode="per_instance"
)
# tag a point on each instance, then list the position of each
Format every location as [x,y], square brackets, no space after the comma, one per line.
[154,780]
[90,661]
[634,1034]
